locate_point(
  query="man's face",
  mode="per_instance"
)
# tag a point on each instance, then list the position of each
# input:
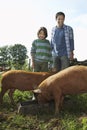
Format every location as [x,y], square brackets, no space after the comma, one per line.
[60,20]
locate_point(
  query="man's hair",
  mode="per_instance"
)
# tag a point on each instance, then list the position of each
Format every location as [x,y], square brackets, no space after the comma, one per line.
[59,13]
[44,30]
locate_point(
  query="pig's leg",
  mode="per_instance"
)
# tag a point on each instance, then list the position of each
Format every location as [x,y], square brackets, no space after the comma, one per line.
[61,103]
[3,91]
[58,101]
[10,93]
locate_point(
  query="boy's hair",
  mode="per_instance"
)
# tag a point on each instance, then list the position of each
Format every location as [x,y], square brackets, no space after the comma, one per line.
[44,30]
[59,13]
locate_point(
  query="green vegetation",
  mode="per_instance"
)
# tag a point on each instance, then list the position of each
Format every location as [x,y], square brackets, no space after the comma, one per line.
[73,115]
[13,56]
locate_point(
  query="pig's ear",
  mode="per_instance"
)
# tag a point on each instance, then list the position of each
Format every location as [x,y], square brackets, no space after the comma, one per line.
[37,91]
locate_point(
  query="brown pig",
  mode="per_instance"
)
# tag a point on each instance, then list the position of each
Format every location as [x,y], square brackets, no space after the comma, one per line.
[72,80]
[21,80]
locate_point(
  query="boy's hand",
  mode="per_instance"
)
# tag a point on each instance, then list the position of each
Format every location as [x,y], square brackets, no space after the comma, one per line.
[33,65]
[71,56]
[54,70]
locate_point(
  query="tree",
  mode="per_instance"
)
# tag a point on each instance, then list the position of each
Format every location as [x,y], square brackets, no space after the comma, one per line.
[18,55]
[4,56]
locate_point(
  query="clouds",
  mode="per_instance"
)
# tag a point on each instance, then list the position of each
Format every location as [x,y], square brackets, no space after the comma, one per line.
[81,44]
[80,33]
[20,20]
[80,20]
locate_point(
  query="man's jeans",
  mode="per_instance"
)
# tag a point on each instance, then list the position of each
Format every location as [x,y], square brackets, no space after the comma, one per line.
[60,63]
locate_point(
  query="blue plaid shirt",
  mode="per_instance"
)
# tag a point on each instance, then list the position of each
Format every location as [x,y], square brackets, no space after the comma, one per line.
[68,40]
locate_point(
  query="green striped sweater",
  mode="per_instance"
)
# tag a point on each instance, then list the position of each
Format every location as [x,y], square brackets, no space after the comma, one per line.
[41,50]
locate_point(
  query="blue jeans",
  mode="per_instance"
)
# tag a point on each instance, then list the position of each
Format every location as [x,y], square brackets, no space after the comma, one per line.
[60,63]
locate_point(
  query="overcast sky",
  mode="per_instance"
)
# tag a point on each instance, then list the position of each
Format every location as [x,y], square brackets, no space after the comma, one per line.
[21,19]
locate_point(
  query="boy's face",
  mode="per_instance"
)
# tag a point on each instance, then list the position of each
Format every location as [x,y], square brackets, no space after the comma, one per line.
[41,35]
[60,20]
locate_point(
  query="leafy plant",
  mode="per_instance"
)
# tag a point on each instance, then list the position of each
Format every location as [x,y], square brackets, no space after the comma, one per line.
[4,56]
[18,55]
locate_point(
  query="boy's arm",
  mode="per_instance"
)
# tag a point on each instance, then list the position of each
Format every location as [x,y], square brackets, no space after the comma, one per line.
[33,52]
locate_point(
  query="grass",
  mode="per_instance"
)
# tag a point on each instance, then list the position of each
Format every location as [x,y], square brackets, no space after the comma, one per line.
[73,115]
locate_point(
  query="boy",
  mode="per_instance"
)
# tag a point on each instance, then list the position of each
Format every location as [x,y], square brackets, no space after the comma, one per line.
[41,51]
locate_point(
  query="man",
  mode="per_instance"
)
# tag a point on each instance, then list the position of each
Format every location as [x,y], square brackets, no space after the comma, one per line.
[62,43]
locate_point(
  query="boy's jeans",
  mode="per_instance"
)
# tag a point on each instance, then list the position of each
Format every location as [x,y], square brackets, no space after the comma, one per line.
[41,66]
[60,63]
